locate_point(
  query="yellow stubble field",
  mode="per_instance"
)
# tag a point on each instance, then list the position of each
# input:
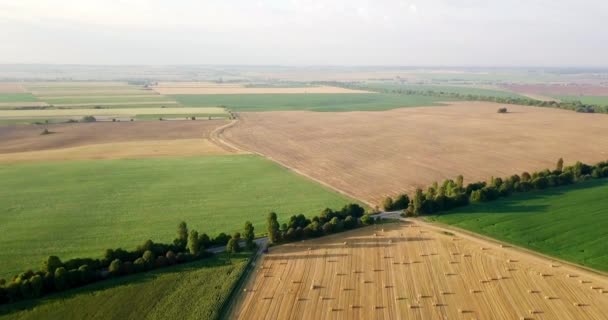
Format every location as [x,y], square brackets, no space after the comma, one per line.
[416,271]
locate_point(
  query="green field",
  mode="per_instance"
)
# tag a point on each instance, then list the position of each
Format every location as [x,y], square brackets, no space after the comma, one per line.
[597,100]
[307,101]
[17,97]
[445,88]
[567,222]
[191,291]
[80,208]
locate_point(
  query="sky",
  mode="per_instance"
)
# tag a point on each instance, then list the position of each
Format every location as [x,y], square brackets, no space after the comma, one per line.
[556,33]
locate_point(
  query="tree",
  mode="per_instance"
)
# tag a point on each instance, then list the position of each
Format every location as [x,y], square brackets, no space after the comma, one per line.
[194,245]
[249,235]
[402,202]
[148,258]
[460,182]
[233,246]
[61,282]
[204,241]
[273,228]
[236,237]
[182,235]
[115,267]
[328,228]
[51,264]
[170,257]
[560,165]
[350,222]
[387,204]
[88,119]
[418,202]
[367,220]
[36,284]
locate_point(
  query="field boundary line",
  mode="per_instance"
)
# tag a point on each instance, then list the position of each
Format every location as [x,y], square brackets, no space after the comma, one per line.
[217,134]
[536,254]
[234,296]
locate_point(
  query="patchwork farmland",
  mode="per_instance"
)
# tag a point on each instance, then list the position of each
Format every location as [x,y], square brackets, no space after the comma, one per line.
[416,271]
[110,184]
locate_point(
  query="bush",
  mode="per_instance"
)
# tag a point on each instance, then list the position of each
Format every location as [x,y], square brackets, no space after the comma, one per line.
[61,282]
[171,258]
[115,267]
[88,119]
[367,220]
[232,246]
[148,258]
[51,264]
[502,110]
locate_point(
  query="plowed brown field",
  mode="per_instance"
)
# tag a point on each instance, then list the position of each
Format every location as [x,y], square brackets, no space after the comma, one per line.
[370,155]
[109,135]
[416,271]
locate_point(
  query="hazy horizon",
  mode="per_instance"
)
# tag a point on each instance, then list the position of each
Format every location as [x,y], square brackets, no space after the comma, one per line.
[300,33]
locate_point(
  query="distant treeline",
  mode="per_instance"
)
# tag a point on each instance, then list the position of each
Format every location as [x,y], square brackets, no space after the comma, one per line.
[452,194]
[577,106]
[56,275]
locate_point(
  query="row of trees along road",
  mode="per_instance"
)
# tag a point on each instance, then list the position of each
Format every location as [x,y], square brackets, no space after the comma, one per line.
[451,194]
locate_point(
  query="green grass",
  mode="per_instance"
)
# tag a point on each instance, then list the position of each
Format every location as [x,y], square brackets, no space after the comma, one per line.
[597,100]
[445,88]
[191,291]
[17,97]
[567,222]
[80,208]
[307,101]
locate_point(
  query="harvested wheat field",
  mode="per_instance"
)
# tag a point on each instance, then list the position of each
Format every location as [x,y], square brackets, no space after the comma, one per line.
[122,150]
[19,139]
[369,155]
[232,89]
[416,271]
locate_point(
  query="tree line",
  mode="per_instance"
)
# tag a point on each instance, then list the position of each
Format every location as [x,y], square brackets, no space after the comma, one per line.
[329,221]
[452,194]
[56,275]
[574,105]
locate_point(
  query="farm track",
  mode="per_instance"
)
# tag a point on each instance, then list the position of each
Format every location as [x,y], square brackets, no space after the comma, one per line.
[416,271]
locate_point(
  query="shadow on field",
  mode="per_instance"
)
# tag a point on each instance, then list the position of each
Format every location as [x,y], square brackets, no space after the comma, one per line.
[515,202]
[215,261]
